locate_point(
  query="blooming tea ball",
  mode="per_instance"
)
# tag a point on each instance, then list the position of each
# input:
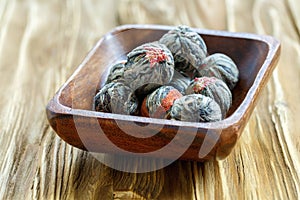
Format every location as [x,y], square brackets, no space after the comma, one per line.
[180,81]
[115,73]
[220,66]
[116,97]
[187,47]
[196,108]
[159,102]
[148,67]
[213,88]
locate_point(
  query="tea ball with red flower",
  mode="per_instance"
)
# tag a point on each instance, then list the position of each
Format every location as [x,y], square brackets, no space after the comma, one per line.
[148,67]
[213,88]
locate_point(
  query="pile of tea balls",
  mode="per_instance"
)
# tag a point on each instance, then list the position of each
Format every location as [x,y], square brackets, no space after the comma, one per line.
[173,78]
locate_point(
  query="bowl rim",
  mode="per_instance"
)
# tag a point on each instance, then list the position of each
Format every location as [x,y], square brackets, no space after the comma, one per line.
[233,120]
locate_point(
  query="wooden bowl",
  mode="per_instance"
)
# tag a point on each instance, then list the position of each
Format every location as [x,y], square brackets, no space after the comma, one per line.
[71,114]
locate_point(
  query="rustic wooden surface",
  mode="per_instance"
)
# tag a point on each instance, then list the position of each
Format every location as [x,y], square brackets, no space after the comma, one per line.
[41,44]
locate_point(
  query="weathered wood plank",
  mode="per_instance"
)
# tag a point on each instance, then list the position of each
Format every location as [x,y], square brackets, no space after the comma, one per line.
[41,43]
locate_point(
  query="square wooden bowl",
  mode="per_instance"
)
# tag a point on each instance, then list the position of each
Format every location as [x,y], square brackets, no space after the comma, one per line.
[71,114]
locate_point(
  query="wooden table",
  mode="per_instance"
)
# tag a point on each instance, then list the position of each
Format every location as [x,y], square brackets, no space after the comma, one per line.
[41,44]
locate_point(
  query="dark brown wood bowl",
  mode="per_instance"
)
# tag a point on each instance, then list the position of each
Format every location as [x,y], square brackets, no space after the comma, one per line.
[71,114]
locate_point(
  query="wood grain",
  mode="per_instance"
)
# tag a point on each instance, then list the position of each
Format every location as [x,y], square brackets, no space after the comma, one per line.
[42,42]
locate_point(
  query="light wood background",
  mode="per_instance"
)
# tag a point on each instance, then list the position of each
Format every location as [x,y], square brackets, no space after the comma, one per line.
[43,41]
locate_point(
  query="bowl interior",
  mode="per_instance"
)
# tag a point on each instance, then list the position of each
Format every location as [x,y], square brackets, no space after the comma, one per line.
[248,54]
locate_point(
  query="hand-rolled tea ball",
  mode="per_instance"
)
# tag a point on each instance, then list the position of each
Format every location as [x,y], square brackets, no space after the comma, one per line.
[180,81]
[116,97]
[187,47]
[196,108]
[213,88]
[115,72]
[159,102]
[220,66]
[148,67]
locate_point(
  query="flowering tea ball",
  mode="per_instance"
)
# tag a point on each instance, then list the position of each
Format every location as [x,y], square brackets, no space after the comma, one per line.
[213,88]
[115,72]
[159,102]
[196,108]
[220,66]
[187,47]
[180,81]
[148,67]
[116,97]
